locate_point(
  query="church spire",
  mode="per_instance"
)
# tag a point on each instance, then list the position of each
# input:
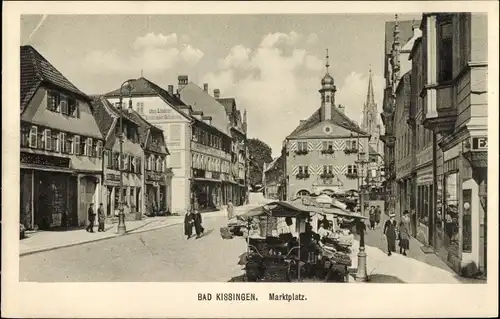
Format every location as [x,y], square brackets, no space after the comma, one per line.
[370,99]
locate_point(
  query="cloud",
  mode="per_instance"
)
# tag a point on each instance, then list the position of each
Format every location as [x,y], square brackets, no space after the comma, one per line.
[152,53]
[312,38]
[278,82]
[191,55]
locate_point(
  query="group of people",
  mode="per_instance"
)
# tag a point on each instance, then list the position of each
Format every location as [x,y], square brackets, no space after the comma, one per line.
[101,218]
[393,232]
[375,213]
[193,219]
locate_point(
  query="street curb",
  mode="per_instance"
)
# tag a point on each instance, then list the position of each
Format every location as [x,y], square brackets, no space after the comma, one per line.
[27,253]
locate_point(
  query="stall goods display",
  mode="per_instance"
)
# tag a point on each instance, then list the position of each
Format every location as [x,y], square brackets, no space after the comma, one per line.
[276,272]
[226,233]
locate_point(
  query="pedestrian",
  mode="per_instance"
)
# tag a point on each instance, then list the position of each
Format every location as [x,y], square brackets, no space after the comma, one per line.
[372,217]
[101,217]
[390,234]
[404,233]
[198,227]
[91,216]
[230,210]
[378,214]
[188,224]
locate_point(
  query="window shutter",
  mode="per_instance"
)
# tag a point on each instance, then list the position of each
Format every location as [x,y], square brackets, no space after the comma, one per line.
[90,148]
[64,106]
[76,145]
[57,142]
[99,149]
[33,136]
[48,139]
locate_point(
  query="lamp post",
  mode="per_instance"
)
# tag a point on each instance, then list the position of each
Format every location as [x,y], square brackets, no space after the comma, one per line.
[361,274]
[121,229]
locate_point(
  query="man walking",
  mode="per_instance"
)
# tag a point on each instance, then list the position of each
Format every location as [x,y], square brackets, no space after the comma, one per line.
[101,217]
[378,213]
[91,213]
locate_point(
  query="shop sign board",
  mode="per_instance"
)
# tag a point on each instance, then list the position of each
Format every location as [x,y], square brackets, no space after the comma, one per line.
[153,177]
[479,143]
[45,160]
[162,113]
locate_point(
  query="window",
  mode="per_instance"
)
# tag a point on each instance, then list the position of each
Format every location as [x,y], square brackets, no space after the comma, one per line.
[352,170]
[99,149]
[129,163]
[140,107]
[116,160]
[328,169]
[327,146]
[76,145]
[69,143]
[302,146]
[25,136]
[56,142]
[41,139]
[138,166]
[353,145]
[73,108]
[33,137]
[303,170]
[64,105]
[109,158]
[53,101]
[124,162]
[83,146]
[175,159]
[445,47]
[90,148]
[328,99]
[175,132]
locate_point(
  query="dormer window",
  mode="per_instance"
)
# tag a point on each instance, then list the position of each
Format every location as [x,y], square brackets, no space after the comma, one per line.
[53,101]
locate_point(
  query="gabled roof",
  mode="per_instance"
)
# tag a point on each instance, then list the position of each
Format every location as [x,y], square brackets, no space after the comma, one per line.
[338,118]
[103,118]
[200,100]
[145,129]
[272,164]
[35,70]
[228,103]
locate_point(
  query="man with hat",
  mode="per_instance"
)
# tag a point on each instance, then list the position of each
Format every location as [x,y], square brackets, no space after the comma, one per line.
[390,233]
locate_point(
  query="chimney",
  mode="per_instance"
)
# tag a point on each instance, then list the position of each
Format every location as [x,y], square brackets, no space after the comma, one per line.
[341,109]
[205,87]
[198,115]
[182,81]
[207,119]
[171,89]
[216,93]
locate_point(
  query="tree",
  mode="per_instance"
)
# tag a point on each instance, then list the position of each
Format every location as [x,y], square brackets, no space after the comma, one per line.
[259,153]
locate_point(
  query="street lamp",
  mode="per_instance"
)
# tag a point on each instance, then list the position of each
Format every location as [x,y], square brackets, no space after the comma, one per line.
[361,274]
[121,229]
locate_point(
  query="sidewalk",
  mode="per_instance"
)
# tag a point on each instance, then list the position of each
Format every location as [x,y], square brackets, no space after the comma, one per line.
[49,240]
[417,267]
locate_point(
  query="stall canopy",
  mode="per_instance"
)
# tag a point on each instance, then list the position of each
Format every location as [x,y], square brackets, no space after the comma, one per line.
[296,209]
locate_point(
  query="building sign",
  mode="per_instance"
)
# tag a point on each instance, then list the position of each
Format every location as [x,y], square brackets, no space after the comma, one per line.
[45,160]
[112,177]
[479,143]
[159,114]
[154,177]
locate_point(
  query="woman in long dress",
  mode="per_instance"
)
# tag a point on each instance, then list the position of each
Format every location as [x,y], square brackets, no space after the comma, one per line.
[188,224]
[198,227]
[404,233]
[390,234]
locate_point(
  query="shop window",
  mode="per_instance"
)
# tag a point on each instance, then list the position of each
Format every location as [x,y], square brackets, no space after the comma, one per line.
[445,47]
[451,213]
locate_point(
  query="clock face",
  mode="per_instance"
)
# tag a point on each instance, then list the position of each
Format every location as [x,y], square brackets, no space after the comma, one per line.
[327,129]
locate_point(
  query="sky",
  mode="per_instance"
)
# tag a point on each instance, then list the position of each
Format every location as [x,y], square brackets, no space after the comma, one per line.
[271,64]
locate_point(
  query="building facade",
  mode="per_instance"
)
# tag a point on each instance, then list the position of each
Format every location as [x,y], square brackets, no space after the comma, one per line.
[166,111]
[322,153]
[61,147]
[274,174]
[130,163]
[455,108]
[239,156]
[157,177]
[399,39]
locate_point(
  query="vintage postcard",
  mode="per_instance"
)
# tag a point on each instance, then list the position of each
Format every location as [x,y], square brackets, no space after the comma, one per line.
[246,159]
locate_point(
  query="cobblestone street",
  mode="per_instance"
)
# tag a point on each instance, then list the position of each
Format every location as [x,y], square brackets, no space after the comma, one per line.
[159,255]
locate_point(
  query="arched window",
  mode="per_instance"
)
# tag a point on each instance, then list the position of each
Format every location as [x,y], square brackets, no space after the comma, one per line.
[303,192]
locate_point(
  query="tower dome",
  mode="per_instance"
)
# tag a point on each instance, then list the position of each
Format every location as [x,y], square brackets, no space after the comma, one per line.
[327,80]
